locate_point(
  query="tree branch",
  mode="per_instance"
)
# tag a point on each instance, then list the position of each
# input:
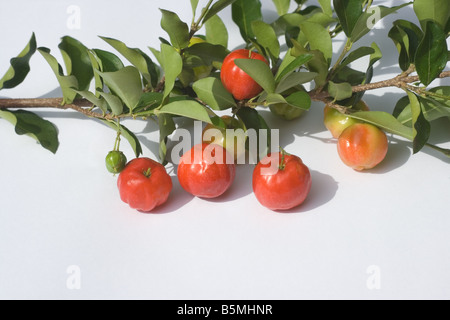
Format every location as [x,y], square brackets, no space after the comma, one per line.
[81,105]
[85,107]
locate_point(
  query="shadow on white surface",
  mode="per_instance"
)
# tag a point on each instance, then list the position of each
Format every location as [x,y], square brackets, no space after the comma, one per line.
[242,185]
[178,199]
[323,190]
[398,155]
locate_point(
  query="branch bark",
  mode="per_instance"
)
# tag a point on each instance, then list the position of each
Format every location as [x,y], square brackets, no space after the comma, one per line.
[81,105]
[85,107]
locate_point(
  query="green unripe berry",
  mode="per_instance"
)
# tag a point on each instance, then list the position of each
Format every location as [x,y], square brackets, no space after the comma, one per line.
[115,161]
[286,111]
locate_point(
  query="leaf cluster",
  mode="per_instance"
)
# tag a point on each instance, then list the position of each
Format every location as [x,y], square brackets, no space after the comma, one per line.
[183,77]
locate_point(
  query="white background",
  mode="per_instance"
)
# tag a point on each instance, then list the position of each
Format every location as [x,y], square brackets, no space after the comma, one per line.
[63,210]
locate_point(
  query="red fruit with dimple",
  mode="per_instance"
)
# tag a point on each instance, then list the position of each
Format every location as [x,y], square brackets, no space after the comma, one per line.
[235,80]
[144,184]
[206,171]
[281,181]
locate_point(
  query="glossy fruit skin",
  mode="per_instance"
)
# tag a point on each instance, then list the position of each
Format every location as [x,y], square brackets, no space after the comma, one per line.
[144,184]
[204,171]
[235,80]
[337,122]
[286,112]
[362,146]
[115,161]
[220,137]
[284,189]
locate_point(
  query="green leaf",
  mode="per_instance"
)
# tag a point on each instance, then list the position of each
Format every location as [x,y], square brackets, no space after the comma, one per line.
[177,30]
[103,61]
[77,61]
[368,19]
[259,71]
[374,57]
[421,127]
[108,61]
[288,22]
[137,58]
[432,54]
[96,65]
[149,101]
[406,36]
[295,79]
[128,135]
[355,55]
[187,108]
[166,128]
[114,103]
[282,6]
[96,101]
[317,64]
[194,5]
[20,67]
[290,64]
[274,98]
[216,31]
[326,7]
[126,84]
[244,13]
[437,11]
[217,7]
[432,110]
[300,100]
[319,38]
[384,121]
[157,54]
[348,12]
[340,91]
[212,92]
[209,53]
[253,120]
[266,37]
[30,124]
[444,92]
[352,76]
[67,83]
[172,64]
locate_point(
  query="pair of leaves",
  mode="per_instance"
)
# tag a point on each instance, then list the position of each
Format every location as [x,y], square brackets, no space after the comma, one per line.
[427,48]
[345,77]
[437,11]
[310,32]
[262,74]
[30,124]
[357,22]
[406,36]
[432,53]
[25,122]
[78,67]
[418,112]
[19,66]
[433,107]
[244,13]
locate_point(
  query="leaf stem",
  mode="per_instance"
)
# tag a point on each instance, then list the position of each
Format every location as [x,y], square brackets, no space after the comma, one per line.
[439,149]
[347,48]
[196,26]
